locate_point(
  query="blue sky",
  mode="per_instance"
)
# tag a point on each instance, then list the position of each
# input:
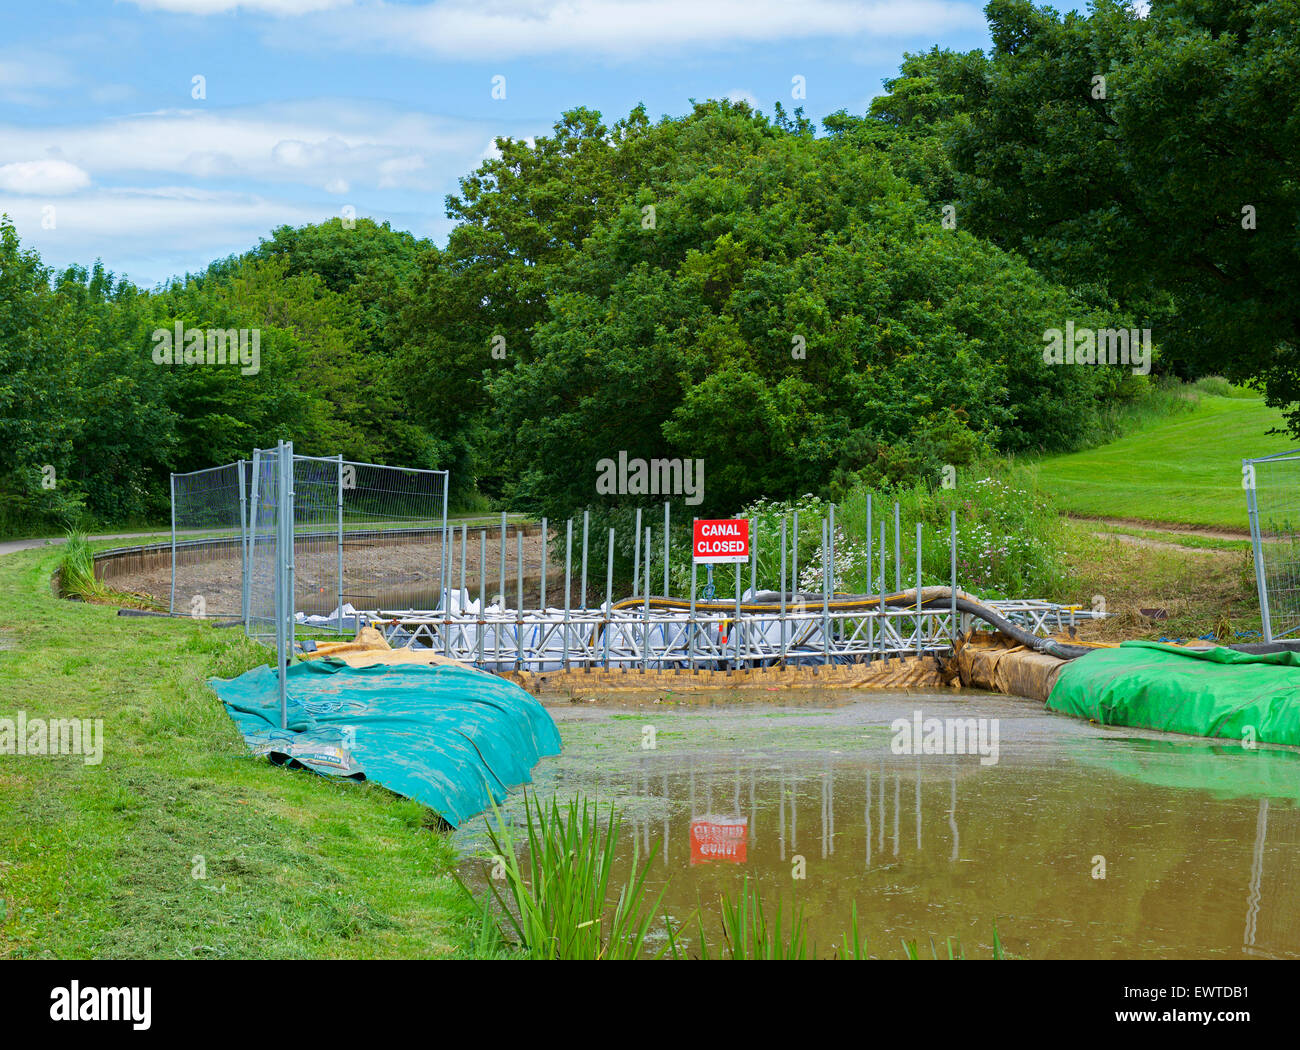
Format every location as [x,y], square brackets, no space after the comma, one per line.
[315,105]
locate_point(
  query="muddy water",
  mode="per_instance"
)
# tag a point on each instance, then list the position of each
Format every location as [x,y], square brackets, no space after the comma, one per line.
[1199,844]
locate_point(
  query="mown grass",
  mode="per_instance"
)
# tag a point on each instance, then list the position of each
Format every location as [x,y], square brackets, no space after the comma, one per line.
[99,860]
[1179,467]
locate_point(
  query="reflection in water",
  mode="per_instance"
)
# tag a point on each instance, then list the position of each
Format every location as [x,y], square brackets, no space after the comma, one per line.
[1193,836]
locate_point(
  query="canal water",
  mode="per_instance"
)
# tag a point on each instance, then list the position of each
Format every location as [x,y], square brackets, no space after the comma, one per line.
[1071,840]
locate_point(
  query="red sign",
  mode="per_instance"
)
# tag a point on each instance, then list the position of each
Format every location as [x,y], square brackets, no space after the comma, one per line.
[719,839]
[719,541]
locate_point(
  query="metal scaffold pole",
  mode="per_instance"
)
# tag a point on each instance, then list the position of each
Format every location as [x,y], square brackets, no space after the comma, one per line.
[243,544]
[171,605]
[285,611]
[952,546]
[667,582]
[340,544]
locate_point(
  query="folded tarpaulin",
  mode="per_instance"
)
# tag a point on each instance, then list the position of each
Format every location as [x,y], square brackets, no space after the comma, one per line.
[452,737]
[1216,692]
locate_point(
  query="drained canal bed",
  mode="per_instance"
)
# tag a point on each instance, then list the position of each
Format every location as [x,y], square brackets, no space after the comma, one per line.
[1199,843]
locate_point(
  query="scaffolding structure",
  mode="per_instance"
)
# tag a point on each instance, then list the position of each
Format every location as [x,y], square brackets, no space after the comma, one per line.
[321,545]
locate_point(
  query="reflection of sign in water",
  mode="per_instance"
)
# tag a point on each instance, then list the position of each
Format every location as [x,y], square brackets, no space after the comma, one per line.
[719,838]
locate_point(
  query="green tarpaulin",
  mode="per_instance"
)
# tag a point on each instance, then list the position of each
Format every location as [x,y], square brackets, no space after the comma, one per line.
[453,738]
[1201,692]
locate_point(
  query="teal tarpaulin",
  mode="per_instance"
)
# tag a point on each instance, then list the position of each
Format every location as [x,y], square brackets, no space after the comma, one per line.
[454,738]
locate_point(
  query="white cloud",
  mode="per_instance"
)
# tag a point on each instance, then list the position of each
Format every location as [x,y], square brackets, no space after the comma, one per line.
[319,144]
[26,79]
[641,29]
[267,7]
[743,96]
[151,234]
[44,177]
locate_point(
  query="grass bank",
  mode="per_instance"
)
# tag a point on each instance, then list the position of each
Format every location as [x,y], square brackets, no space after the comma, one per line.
[1180,467]
[100,860]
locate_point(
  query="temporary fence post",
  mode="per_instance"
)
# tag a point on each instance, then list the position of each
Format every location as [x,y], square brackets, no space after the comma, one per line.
[340,544]
[794,553]
[287,530]
[586,519]
[898,552]
[826,597]
[735,624]
[871,551]
[1256,547]
[519,601]
[243,544]
[482,590]
[461,594]
[636,553]
[752,645]
[546,537]
[880,608]
[667,582]
[502,588]
[609,594]
[445,577]
[783,581]
[753,558]
[568,568]
[952,549]
[279,582]
[171,605]
[830,551]
[690,626]
[919,620]
[645,630]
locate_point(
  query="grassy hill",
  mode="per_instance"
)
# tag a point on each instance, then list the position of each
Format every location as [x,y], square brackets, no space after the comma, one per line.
[1183,468]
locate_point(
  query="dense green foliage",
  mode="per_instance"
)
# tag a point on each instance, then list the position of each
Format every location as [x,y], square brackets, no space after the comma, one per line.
[1155,160]
[732,289]
[799,312]
[91,425]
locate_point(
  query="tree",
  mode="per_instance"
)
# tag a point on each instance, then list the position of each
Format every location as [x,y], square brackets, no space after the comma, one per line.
[1155,160]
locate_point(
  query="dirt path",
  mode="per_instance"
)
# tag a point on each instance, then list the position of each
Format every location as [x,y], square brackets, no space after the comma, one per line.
[1203,531]
[1143,541]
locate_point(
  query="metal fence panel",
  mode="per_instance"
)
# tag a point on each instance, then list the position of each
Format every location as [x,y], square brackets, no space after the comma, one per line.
[208,519]
[263,546]
[1272,485]
[392,524]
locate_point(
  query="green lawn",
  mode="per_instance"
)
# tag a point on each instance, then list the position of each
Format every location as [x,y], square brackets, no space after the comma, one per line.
[1183,469]
[99,860]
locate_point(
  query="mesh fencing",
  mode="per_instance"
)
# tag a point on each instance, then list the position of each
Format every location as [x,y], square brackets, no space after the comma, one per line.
[263,546]
[317,550]
[365,537]
[393,528]
[209,508]
[1272,486]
